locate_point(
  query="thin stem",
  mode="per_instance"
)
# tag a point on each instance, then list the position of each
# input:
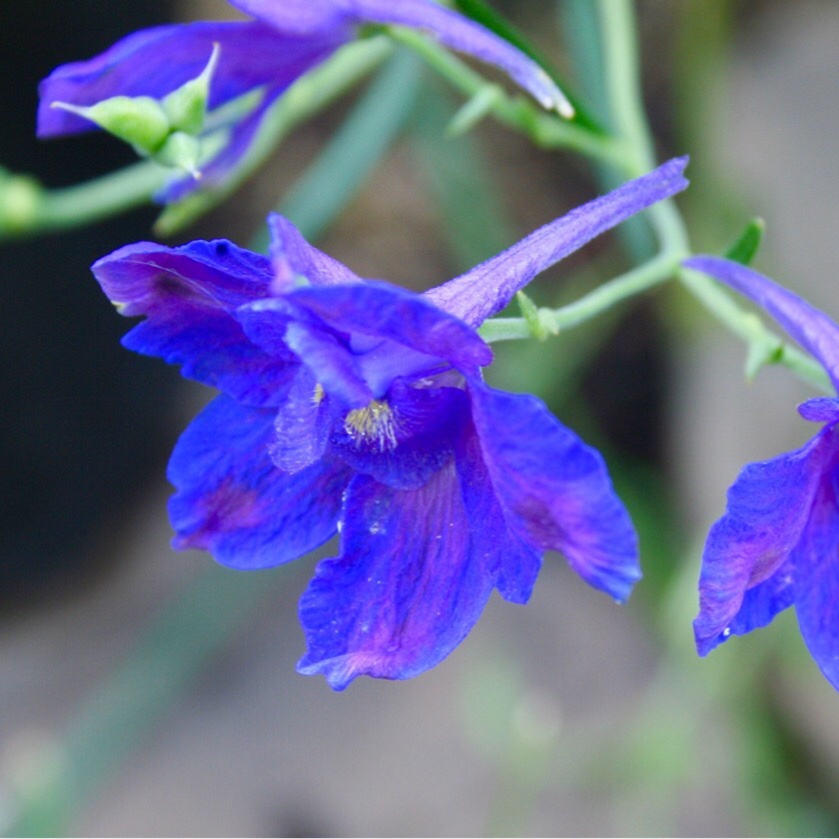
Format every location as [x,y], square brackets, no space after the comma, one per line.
[591,305]
[26,208]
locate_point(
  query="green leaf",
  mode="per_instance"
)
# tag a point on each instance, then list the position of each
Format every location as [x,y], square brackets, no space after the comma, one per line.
[745,248]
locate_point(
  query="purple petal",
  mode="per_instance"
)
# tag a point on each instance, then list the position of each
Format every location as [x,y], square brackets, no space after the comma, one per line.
[232,501]
[382,311]
[765,600]
[413,437]
[820,409]
[189,295]
[489,287]
[813,329]
[302,425]
[768,509]
[278,325]
[292,257]
[817,579]
[515,561]
[405,591]
[154,62]
[554,489]
[448,27]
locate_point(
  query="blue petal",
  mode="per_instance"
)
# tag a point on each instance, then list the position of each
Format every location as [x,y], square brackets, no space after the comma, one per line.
[513,558]
[189,296]
[762,602]
[813,329]
[411,581]
[489,287]
[769,506]
[232,501]
[278,325]
[554,489]
[302,425]
[382,311]
[417,434]
[820,409]
[449,28]
[817,579]
[293,257]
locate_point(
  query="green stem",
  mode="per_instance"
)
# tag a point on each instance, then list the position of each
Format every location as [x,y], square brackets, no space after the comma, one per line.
[597,302]
[26,208]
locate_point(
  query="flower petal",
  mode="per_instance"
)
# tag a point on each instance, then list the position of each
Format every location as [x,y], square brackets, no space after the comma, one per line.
[489,287]
[384,311]
[554,489]
[817,588]
[813,329]
[405,591]
[820,409]
[232,501]
[278,325]
[412,435]
[154,62]
[448,27]
[768,509]
[292,257]
[302,425]
[188,295]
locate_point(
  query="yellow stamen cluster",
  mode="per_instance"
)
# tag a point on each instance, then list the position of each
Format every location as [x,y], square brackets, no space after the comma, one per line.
[375,423]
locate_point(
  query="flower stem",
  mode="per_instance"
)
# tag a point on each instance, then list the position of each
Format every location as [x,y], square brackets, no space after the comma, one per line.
[604,297]
[27,208]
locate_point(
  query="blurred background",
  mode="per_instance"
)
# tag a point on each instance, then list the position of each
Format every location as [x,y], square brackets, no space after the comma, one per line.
[148,692]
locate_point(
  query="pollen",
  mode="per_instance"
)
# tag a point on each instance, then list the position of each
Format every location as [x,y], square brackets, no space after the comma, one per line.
[317,396]
[374,424]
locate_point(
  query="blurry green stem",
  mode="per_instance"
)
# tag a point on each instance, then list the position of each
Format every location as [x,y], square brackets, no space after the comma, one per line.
[26,208]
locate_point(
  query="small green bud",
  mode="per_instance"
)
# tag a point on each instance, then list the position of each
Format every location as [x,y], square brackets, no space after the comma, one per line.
[139,120]
[533,316]
[180,151]
[186,107]
[20,197]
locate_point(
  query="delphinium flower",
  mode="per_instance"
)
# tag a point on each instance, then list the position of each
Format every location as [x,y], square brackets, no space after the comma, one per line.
[132,83]
[777,544]
[355,406]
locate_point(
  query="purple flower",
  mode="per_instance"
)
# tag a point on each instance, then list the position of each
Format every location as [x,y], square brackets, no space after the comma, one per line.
[355,406]
[777,543]
[265,55]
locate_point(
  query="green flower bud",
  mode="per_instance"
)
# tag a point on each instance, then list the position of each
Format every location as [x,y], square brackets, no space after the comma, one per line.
[180,151]
[186,107]
[139,120]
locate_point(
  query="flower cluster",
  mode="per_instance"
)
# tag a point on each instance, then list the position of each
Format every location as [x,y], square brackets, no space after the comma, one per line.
[352,406]
[355,406]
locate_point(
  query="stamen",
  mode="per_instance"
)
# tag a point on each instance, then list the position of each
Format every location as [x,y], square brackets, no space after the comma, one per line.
[375,423]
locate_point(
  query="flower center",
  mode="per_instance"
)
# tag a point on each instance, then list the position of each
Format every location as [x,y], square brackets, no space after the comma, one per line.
[373,424]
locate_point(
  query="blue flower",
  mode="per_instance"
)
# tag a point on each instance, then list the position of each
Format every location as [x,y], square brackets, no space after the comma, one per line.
[263,56]
[777,544]
[355,406]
